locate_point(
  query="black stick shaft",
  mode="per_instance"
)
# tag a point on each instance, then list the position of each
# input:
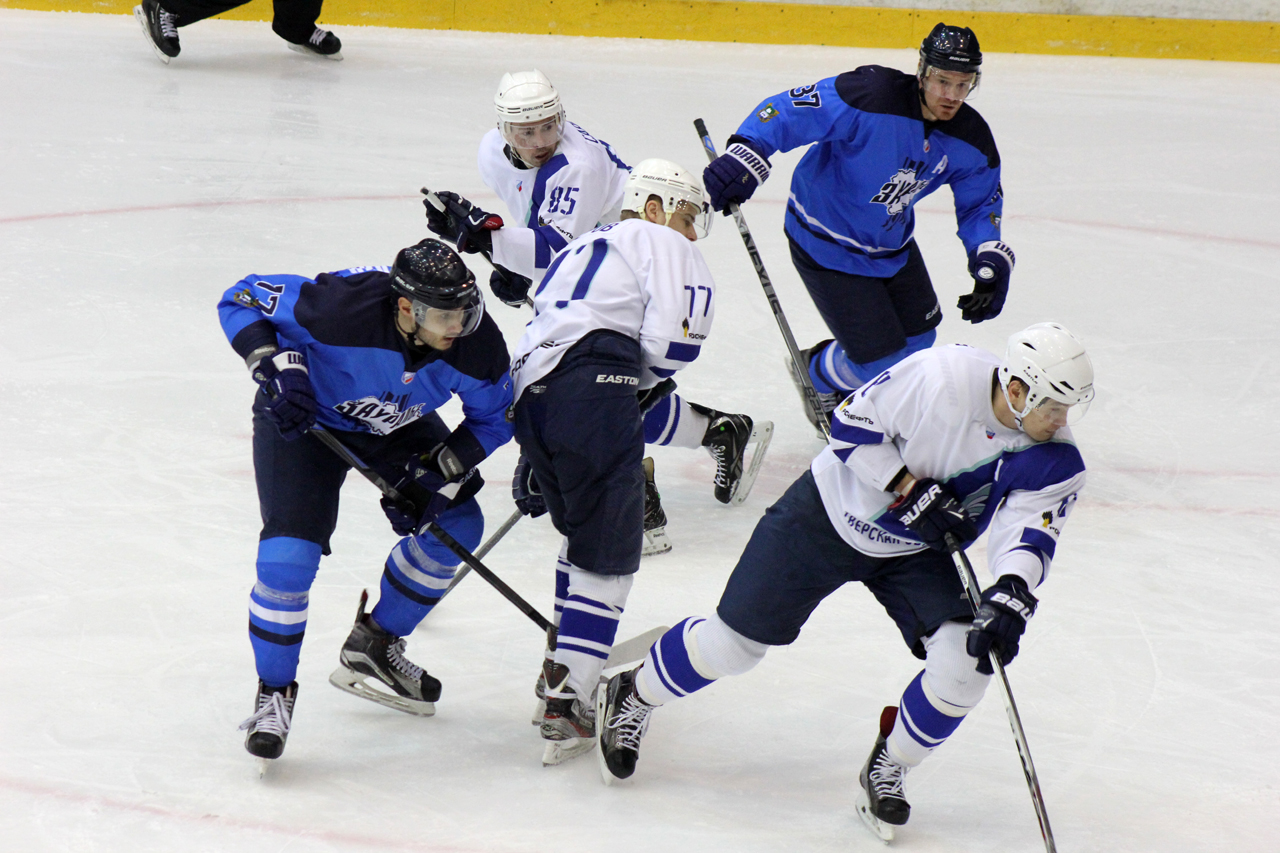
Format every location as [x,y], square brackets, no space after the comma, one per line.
[810,394]
[331,441]
[971,589]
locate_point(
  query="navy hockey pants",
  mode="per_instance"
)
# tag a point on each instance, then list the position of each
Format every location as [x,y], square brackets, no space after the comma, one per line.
[294,20]
[795,559]
[581,430]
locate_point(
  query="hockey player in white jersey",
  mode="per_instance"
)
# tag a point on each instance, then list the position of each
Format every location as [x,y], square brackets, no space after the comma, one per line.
[620,310]
[951,440]
[558,182]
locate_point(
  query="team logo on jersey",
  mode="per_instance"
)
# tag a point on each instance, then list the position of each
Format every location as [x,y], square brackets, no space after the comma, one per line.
[381,415]
[519,186]
[995,221]
[407,377]
[898,193]
[990,433]
[767,113]
[926,145]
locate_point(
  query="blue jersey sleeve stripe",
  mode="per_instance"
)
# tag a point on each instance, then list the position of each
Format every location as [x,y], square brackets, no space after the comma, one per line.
[841,431]
[1040,540]
[682,352]
[663,372]
[844,453]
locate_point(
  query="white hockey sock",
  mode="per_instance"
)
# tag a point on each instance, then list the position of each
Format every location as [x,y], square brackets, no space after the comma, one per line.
[937,700]
[693,654]
[675,423]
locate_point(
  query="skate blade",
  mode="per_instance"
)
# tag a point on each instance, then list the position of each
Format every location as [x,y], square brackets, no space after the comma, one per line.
[146,30]
[560,751]
[263,764]
[539,712]
[761,435]
[306,51]
[628,653]
[655,542]
[882,830]
[354,683]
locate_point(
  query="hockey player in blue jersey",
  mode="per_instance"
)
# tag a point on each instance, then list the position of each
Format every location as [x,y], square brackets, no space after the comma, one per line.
[951,440]
[559,182]
[368,354]
[621,309]
[881,141]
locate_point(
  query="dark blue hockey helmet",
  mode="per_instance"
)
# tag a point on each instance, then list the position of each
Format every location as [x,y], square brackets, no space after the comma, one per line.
[951,49]
[434,278]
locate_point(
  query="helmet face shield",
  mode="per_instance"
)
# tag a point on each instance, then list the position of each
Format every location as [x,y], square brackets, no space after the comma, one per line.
[952,85]
[699,213]
[530,135]
[450,322]
[1057,412]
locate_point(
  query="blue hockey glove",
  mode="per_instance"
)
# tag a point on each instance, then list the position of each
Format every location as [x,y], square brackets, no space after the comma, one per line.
[512,288]
[291,401]
[990,266]
[932,512]
[1006,606]
[732,177]
[431,482]
[462,223]
[525,490]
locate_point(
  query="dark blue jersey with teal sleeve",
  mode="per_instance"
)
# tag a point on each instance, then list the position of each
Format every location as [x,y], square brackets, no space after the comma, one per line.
[875,156]
[366,376]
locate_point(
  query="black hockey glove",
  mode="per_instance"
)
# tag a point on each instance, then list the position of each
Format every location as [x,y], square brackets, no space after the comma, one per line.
[511,287]
[525,490]
[430,483]
[732,177]
[462,223]
[650,397]
[932,512]
[990,266]
[998,625]
[291,401]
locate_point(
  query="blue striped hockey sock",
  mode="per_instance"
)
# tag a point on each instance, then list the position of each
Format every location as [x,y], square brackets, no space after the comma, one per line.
[588,626]
[924,722]
[278,606]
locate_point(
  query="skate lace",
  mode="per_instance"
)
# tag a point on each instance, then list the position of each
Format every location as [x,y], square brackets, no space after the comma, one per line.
[316,38]
[166,24]
[887,777]
[395,654]
[630,722]
[273,716]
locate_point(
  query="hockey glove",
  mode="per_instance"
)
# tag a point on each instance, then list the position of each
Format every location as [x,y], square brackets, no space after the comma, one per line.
[732,177]
[932,512]
[525,490]
[512,288]
[650,397]
[462,223]
[991,265]
[432,481]
[291,401]
[1006,606]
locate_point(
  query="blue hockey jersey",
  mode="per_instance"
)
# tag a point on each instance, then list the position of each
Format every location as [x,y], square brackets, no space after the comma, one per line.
[366,377]
[853,192]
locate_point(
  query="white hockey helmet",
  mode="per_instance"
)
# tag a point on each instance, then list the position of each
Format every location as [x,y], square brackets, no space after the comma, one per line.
[527,99]
[1054,366]
[674,185]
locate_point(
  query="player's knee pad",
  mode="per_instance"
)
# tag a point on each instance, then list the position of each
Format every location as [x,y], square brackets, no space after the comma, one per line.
[849,370]
[287,564]
[951,672]
[718,650]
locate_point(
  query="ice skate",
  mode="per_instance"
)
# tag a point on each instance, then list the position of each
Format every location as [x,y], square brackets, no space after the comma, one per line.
[268,727]
[540,686]
[569,724]
[371,653]
[160,28]
[655,520]
[624,718]
[828,402]
[882,803]
[727,439]
[322,43]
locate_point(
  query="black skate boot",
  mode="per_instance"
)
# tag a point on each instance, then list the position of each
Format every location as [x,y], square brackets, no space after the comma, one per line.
[882,804]
[268,727]
[727,439]
[371,652]
[827,402]
[160,28]
[624,718]
[655,520]
[568,724]
[322,43]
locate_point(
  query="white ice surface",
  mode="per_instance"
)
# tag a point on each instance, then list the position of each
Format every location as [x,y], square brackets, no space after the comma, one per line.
[1141,201]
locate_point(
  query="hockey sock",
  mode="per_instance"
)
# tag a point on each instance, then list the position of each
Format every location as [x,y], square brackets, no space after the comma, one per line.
[588,626]
[419,568]
[833,370]
[673,422]
[937,700]
[278,605]
[562,581]
[693,654]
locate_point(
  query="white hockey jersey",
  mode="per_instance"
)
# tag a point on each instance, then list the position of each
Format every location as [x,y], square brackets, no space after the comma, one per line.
[642,280]
[576,190]
[931,413]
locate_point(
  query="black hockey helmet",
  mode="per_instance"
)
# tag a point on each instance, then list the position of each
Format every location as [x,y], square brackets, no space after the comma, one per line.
[434,278]
[951,49]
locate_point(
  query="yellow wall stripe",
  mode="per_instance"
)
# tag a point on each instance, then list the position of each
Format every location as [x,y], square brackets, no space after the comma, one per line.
[781,23]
